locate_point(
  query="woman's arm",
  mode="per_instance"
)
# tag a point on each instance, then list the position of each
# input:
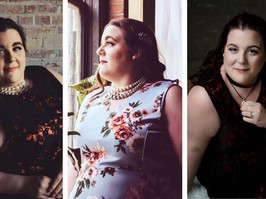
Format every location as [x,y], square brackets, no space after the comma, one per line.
[72,175]
[31,186]
[173,114]
[203,124]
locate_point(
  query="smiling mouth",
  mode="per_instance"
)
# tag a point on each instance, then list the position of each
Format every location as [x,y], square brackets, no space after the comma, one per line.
[241,70]
[103,62]
[12,69]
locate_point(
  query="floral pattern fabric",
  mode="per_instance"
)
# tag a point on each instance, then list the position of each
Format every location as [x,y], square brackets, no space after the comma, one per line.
[235,161]
[123,152]
[32,125]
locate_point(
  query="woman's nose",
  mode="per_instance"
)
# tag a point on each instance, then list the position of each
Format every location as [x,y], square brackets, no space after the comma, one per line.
[241,59]
[9,57]
[100,51]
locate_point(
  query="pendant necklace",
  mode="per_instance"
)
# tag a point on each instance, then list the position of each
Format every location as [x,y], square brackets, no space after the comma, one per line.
[232,82]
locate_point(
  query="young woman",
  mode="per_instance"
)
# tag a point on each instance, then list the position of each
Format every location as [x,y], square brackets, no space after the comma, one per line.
[227,116]
[130,132]
[30,122]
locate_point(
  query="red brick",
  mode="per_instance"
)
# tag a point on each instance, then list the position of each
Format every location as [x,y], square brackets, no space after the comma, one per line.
[42,20]
[20,1]
[11,9]
[30,9]
[26,20]
[116,1]
[117,16]
[43,30]
[47,9]
[44,54]
[116,9]
[57,20]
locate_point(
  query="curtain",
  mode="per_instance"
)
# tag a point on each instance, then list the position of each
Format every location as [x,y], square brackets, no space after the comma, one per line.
[168,26]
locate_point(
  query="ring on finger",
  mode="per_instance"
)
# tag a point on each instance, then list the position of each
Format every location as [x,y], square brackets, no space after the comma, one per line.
[250,115]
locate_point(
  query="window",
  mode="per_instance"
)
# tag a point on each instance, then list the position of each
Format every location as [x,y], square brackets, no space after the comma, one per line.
[84,26]
[74,59]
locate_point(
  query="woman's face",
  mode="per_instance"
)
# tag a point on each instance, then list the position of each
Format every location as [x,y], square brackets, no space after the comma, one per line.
[12,58]
[115,58]
[244,56]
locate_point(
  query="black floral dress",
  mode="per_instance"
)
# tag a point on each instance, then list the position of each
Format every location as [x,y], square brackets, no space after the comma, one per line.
[235,160]
[32,124]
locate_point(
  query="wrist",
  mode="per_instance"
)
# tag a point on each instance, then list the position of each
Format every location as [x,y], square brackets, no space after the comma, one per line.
[11,183]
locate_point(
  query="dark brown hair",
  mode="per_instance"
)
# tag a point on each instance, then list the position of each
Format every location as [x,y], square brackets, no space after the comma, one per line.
[214,59]
[7,23]
[139,36]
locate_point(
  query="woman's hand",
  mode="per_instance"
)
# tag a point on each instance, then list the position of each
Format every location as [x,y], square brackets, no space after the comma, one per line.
[56,186]
[254,113]
[35,186]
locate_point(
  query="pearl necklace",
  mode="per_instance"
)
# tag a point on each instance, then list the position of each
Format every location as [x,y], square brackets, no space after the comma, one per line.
[124,92]
[15,90]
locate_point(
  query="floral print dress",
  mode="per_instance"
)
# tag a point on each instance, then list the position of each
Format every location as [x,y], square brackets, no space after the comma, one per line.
[124,153]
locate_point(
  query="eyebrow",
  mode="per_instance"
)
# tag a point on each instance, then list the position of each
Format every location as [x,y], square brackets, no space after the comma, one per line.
[253,46]
[108,37]
[14,44]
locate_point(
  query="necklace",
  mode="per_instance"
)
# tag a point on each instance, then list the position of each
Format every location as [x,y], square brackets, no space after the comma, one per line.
[15,90]
[124,92]
[239,85]
[243,98]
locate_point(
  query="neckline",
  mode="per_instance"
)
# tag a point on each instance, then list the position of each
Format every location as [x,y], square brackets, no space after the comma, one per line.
[231,96]
[239,85]
[123,103]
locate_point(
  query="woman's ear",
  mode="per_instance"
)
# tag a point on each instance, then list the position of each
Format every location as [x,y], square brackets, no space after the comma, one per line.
[137,54]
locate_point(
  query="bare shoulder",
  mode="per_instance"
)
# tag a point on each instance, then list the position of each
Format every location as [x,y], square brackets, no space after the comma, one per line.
[56,74]
[174,92]
[173,100]
[203,118]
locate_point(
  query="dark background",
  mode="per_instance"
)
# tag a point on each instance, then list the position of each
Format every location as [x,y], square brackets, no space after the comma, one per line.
[206,19]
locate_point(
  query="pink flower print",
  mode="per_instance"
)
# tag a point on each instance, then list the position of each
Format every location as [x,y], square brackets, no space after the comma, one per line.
[128,110]
[87,172]
[157,104]
[123,133]
[92,172]
[95,155]
[136,143]
[144,112]
[136,116]
[117,121]
[108,170]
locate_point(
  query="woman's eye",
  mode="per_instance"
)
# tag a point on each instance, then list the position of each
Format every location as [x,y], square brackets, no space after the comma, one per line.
[17,48]
[2,53]
[253,52]
[233,50]
[109,43]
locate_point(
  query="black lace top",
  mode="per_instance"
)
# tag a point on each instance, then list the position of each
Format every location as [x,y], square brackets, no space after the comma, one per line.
[234,164]
[32,123]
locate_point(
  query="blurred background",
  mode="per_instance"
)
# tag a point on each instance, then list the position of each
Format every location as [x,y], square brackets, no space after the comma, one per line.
[42,23]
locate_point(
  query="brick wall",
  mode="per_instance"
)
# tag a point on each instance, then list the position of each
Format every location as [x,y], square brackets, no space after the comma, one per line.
[206,19]
[116,9]
[42,22]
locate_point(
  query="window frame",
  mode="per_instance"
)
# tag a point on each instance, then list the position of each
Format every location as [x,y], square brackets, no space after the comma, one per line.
[85,41]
